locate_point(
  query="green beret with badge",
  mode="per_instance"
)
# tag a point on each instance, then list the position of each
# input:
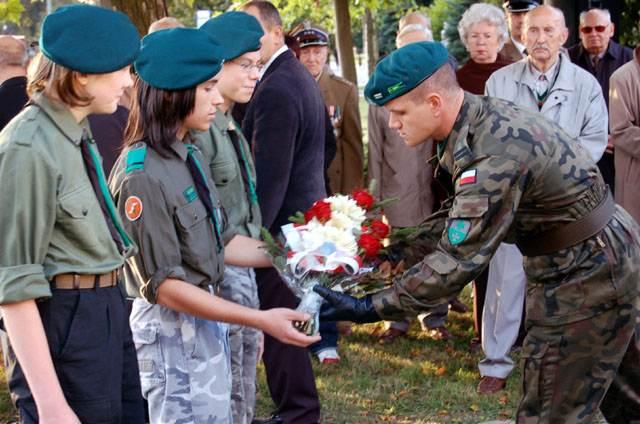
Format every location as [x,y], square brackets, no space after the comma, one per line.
[403,70]
[178,58]
[89,39]
[237,32]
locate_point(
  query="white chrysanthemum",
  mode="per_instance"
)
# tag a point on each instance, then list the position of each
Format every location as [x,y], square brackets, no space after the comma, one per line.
[345,207]
[343,240]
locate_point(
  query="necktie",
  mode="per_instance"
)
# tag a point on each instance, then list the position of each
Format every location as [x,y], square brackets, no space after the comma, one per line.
[245,170]
[595,62]
[202,187]
[99,184]
[542,89]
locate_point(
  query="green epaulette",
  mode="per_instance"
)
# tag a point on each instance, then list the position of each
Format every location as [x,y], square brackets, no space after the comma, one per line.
[135,157]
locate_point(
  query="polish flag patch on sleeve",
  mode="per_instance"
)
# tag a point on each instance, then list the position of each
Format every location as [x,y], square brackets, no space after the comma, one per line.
[468,177]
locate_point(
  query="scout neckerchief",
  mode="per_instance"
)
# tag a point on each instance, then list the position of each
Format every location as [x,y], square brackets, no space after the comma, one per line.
[99,184]
[245,169]
[202,187]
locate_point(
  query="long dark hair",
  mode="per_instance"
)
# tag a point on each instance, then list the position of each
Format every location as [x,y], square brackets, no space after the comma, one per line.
[156,115]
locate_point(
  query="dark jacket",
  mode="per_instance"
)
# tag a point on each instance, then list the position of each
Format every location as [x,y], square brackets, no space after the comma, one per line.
[615,56]
[13,97]
[285,126]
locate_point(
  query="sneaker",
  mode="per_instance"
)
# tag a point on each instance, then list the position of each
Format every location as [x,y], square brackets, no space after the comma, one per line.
[328,356]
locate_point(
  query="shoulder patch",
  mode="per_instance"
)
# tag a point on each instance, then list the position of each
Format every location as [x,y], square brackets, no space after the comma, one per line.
[468,177]
[458,231]
[135,158]
[133,208]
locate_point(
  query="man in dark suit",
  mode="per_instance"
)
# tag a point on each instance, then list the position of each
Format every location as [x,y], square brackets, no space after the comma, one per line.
[284,123]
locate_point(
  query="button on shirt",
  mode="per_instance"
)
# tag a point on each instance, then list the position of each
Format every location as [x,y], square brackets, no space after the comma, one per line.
[51,222]
[164,215]
[242,209]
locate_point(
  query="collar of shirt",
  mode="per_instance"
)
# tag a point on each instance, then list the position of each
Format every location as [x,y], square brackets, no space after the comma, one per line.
[180,149]
[563,80]
[223,121]
[519,46]
[549,74]
[62,118]
[278,52]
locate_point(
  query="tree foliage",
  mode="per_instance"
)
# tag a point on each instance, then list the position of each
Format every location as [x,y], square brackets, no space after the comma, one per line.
[630,23]
[10,11]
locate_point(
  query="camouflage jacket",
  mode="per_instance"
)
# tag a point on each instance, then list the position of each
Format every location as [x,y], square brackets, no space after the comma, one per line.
[514,175]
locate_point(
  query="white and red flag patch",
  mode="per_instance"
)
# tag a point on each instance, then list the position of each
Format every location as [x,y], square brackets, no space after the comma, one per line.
[468,177]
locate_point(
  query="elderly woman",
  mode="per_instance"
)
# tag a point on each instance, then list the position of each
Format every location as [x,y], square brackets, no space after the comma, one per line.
[483,31]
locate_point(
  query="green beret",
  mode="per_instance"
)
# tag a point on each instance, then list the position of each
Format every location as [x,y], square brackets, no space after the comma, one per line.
[178,58]
[89,39]
[403,70]
[237,33]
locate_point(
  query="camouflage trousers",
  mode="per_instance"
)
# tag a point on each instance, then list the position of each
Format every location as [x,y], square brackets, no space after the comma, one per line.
[184,365]
[568,368]
[239,286]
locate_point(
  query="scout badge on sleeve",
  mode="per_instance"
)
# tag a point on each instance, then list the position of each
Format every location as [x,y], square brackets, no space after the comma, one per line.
[133,208]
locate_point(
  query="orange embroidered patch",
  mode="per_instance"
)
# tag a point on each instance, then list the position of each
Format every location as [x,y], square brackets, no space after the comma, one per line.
[133,208]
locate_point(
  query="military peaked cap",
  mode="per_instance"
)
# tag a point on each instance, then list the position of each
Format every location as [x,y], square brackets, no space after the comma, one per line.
[309,36]
[520,5]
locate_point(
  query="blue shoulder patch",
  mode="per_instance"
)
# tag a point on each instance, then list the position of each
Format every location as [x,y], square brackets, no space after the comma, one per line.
[135,158]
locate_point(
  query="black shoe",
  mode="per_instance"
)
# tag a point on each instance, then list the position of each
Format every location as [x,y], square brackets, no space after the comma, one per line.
[275,419]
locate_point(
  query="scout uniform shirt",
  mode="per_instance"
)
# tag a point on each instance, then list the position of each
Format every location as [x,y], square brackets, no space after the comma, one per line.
[50,220]
[161,208]
[516,175]
[226,151]
[346,171]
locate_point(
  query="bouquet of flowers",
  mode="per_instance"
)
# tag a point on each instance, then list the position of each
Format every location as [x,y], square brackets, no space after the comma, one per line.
[329,244]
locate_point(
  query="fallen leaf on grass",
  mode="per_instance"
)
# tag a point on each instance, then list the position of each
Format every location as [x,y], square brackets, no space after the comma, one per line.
[443,413]
[474,407]
[504,399]
[441,371]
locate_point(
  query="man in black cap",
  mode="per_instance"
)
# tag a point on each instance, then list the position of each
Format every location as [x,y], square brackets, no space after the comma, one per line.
[516,10]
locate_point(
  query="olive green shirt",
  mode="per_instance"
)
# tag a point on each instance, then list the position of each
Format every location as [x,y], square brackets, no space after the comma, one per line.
[50,220]
[238,200]
[175,235]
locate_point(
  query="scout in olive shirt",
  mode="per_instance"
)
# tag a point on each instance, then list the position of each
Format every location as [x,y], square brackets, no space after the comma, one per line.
[231,163]
[63,241]
[171,208]
[519,177]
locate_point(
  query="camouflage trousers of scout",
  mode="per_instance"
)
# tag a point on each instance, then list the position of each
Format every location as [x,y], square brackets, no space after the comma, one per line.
[568,369]
[184,365]
[239,286]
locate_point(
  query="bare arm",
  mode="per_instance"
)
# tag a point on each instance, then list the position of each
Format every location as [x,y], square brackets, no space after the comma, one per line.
[187,298]
[246,252]
[26,333]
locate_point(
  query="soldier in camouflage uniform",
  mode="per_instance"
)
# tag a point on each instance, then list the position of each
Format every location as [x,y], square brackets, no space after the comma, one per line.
[171,208]
[518,178]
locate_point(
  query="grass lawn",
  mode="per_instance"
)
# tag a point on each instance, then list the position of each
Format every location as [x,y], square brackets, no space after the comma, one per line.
[414,380]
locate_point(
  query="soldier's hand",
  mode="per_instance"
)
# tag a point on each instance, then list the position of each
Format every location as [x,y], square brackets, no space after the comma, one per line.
[278,323]
[342,307]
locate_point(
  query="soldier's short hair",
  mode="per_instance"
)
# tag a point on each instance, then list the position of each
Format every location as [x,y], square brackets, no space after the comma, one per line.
[269,14]
[483,12]
[443,81]
[167,22]
[13,52]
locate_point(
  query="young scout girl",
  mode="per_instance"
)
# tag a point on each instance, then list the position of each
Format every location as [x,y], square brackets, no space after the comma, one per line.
[62,240]
[227,153]
[172,210]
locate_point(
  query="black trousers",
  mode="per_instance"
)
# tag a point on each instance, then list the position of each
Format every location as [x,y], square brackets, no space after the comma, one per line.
[93,355]
[289,373]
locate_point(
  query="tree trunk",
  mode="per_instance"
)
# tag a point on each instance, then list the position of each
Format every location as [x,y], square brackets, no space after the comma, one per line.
[344,41]
[142,12]
[370,40]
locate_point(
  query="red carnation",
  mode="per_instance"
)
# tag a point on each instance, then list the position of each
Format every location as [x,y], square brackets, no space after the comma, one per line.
[379,229]
[320,210]
[370,244]
[363,199]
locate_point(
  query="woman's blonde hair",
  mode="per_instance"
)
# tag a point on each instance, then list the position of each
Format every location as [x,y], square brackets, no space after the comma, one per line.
[56,82]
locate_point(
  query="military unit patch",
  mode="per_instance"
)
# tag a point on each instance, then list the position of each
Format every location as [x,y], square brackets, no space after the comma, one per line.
[458,231]
[468,177]
[190,194]
[133,208]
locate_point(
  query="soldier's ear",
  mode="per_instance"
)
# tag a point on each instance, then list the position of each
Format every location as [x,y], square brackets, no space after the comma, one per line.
[434,100]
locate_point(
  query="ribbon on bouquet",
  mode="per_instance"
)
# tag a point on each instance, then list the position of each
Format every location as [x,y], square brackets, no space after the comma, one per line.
[312,253]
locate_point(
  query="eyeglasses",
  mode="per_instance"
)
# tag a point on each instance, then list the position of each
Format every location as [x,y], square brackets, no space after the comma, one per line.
[588,29]
[248,66]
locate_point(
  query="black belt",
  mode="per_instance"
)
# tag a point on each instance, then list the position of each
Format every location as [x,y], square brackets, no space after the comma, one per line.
[568,235]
